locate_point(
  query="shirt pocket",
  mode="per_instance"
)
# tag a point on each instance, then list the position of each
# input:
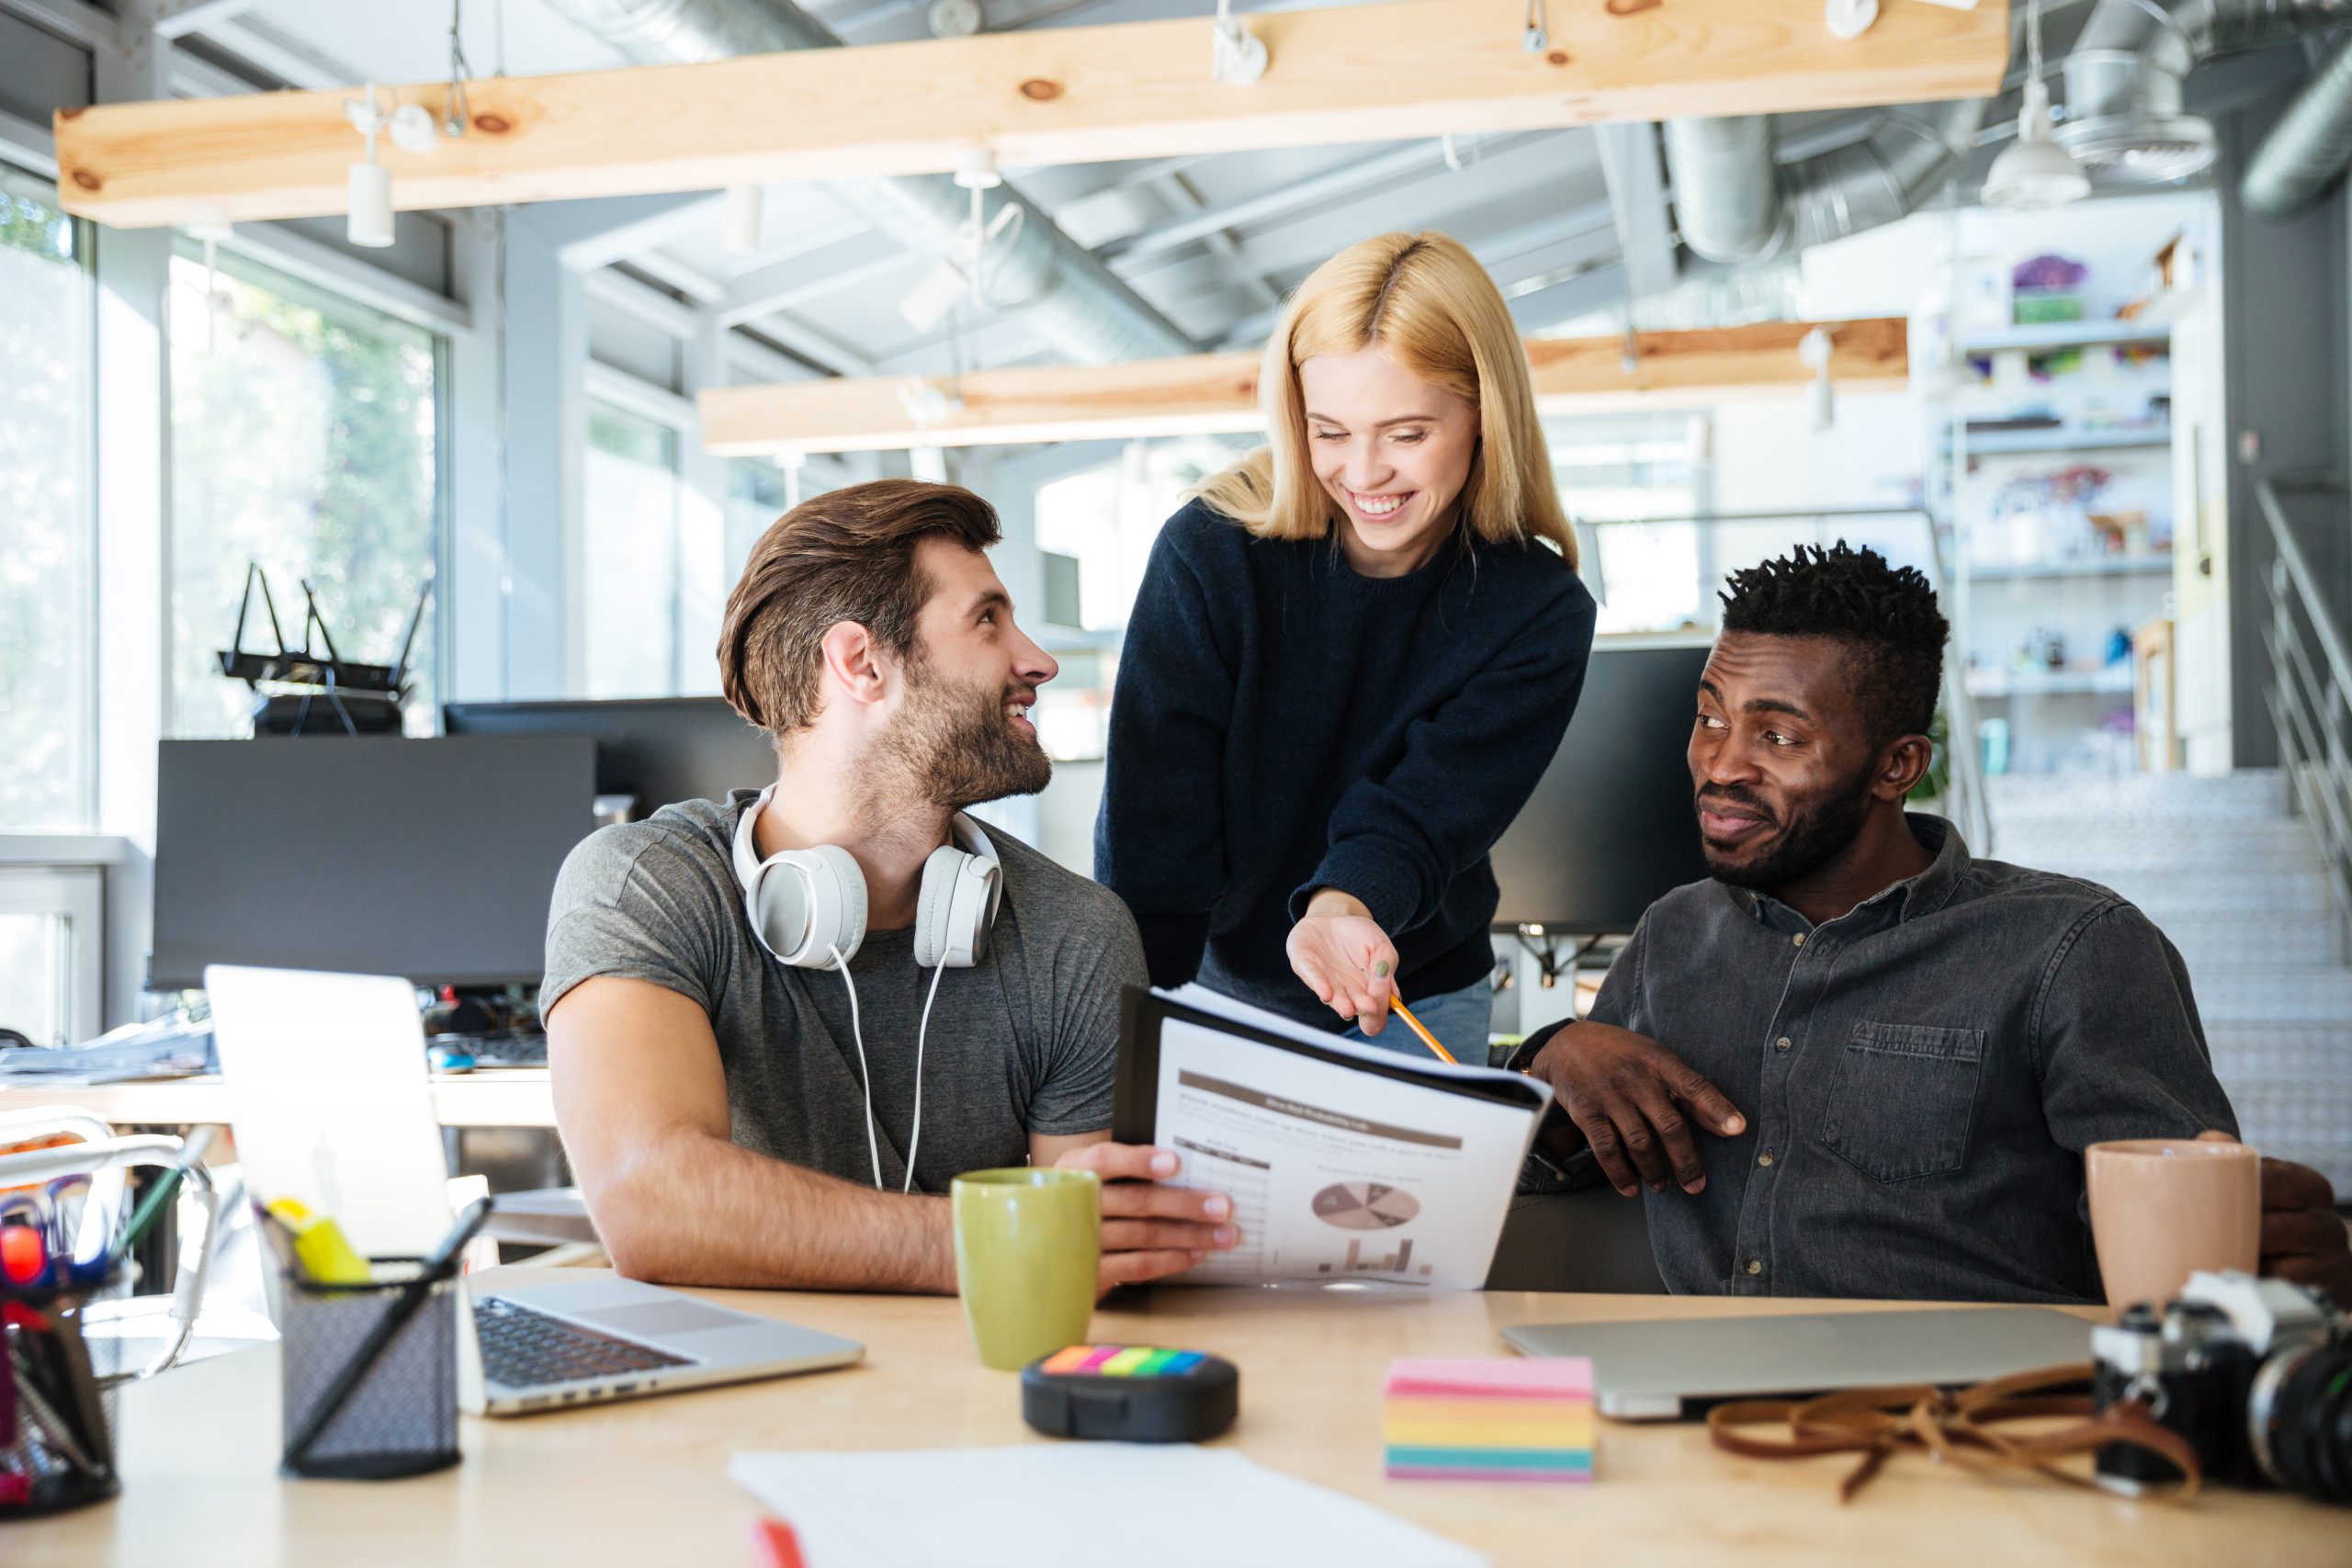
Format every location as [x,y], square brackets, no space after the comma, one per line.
[1898,1108]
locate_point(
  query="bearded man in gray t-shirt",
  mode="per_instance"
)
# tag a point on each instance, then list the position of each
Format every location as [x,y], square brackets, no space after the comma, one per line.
[736,1119]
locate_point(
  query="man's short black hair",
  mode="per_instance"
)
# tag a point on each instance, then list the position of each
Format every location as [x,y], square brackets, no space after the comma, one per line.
[1886,613]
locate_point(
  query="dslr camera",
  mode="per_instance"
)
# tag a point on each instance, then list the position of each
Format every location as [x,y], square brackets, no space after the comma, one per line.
[2254,1374]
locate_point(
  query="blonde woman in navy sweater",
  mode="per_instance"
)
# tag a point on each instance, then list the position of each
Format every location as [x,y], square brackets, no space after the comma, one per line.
[1353,655]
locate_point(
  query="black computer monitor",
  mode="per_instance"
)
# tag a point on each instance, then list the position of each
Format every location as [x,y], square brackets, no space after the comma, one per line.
[1610,826]
[434,858]
[659,750]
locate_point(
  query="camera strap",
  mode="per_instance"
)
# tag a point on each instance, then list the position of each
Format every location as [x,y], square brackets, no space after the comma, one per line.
[1964,1427]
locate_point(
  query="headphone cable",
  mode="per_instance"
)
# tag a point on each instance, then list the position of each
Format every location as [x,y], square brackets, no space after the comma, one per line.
[915,1140]
[858,1033]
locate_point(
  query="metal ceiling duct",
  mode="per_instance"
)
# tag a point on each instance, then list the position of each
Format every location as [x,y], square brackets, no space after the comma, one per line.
[2309,146]
[1040,275]
[1735,204]
[1726,186]
[2124,121]
[2125,75]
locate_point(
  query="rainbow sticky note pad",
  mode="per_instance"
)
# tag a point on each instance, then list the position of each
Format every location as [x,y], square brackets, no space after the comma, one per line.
[1503,1418]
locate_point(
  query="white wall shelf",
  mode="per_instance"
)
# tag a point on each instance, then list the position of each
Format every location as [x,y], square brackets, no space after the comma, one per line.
[2087,566]
[1984,443]
[2045,337]
[2116,679]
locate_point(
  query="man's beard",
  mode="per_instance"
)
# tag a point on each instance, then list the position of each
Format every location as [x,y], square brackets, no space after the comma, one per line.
[1807,841]
[954,747]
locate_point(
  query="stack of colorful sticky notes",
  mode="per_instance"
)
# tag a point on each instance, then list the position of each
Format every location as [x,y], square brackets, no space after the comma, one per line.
[1504,1418]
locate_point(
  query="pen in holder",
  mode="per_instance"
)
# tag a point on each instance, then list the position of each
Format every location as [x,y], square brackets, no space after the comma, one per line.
[370,1366]
[57,1405]
[61,1249]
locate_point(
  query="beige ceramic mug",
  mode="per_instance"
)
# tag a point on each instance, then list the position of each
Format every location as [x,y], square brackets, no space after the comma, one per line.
[2163,1209]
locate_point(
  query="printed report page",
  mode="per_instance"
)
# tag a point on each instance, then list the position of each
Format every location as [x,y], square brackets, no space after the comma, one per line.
[1337,1176]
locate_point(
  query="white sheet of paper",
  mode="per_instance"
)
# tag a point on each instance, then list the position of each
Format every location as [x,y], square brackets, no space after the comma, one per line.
[1043,1505]
[1336,1176]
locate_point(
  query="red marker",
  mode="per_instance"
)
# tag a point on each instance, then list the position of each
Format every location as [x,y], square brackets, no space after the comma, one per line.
[777,1546]
[24,1259]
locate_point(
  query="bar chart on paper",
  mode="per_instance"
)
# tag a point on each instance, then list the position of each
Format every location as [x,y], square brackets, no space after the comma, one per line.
[1370,1206]
[1397,1260]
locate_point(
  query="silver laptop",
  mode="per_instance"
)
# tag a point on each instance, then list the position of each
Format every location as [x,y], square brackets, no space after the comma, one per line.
[1668,1371]
[332,1105]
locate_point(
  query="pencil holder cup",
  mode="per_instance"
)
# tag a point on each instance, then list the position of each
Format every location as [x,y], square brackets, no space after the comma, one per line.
[57,1407]
[58,1367]
[394,1415]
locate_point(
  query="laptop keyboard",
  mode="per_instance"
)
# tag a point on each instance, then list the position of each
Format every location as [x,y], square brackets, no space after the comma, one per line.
[523,1349]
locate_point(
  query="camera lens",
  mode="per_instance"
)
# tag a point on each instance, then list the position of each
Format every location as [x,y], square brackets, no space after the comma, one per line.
[2302,1413]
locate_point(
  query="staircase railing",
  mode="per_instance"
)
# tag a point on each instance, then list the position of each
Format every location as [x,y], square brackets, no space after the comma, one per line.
[1965,797]
[2310,689]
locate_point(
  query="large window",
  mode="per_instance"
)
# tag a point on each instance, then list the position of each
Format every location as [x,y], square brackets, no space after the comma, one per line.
[758,492]
[46,652]
[305,438]
[630,568]
[1106,518]
[1617,474]
[1097,528]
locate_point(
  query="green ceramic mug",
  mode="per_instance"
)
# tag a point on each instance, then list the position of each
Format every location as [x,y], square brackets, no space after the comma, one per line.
[1027,1245]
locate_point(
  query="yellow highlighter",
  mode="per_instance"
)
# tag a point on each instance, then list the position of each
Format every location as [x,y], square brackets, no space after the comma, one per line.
[319,1244]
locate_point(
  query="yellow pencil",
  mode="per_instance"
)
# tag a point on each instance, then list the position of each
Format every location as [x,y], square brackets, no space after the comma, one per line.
[1401,1010]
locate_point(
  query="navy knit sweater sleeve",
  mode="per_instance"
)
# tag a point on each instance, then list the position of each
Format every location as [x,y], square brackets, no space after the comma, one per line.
[1398,840]
[1159,838]
[1281,724]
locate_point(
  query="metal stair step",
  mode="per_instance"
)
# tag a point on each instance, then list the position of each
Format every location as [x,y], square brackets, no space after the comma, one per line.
[2163,894]
[2296,995]
[2255,792]
[2210,943]
[2095,847]
[2292,1088]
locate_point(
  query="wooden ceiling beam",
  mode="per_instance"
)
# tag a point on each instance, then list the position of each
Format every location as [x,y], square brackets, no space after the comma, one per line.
[1218,393]
[1381,73]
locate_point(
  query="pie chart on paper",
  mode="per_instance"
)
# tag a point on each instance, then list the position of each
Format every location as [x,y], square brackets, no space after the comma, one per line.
[1365,1205]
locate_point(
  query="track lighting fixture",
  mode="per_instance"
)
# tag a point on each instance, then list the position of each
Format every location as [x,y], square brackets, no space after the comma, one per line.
[1813,351]
[2034,173]
[964,271]
[370,182]
[745,207]
[1237,56]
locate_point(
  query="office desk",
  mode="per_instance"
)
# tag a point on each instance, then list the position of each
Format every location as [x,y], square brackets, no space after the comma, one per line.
[644,1483]
[488,1096]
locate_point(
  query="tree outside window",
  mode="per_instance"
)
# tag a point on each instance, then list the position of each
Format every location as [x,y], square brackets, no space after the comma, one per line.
[46,656]
[305,437]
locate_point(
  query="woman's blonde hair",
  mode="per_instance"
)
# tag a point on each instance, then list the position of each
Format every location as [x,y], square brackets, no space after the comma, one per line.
[1428,305]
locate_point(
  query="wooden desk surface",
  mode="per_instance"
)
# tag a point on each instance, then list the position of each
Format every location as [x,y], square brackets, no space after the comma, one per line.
[487,1097]
[645,1482]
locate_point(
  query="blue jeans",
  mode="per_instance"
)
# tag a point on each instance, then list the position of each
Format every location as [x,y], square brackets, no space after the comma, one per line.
[1461,1020]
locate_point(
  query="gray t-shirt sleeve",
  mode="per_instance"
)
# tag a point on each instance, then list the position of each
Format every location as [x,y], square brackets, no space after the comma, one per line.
[1096,954]
[630,902]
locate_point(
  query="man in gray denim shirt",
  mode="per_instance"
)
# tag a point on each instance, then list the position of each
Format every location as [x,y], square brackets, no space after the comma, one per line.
[1900,1051]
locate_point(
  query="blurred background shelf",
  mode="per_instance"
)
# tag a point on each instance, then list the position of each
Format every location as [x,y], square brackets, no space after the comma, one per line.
[2086,565]
[2051,336]
[1982,443]
[2115,679]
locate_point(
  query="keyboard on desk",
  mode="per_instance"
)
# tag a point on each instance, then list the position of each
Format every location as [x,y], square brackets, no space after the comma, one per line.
[505,1048]
[524,1349]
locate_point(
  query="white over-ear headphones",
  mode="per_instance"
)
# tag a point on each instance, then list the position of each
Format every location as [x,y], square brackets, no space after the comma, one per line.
[807,908]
